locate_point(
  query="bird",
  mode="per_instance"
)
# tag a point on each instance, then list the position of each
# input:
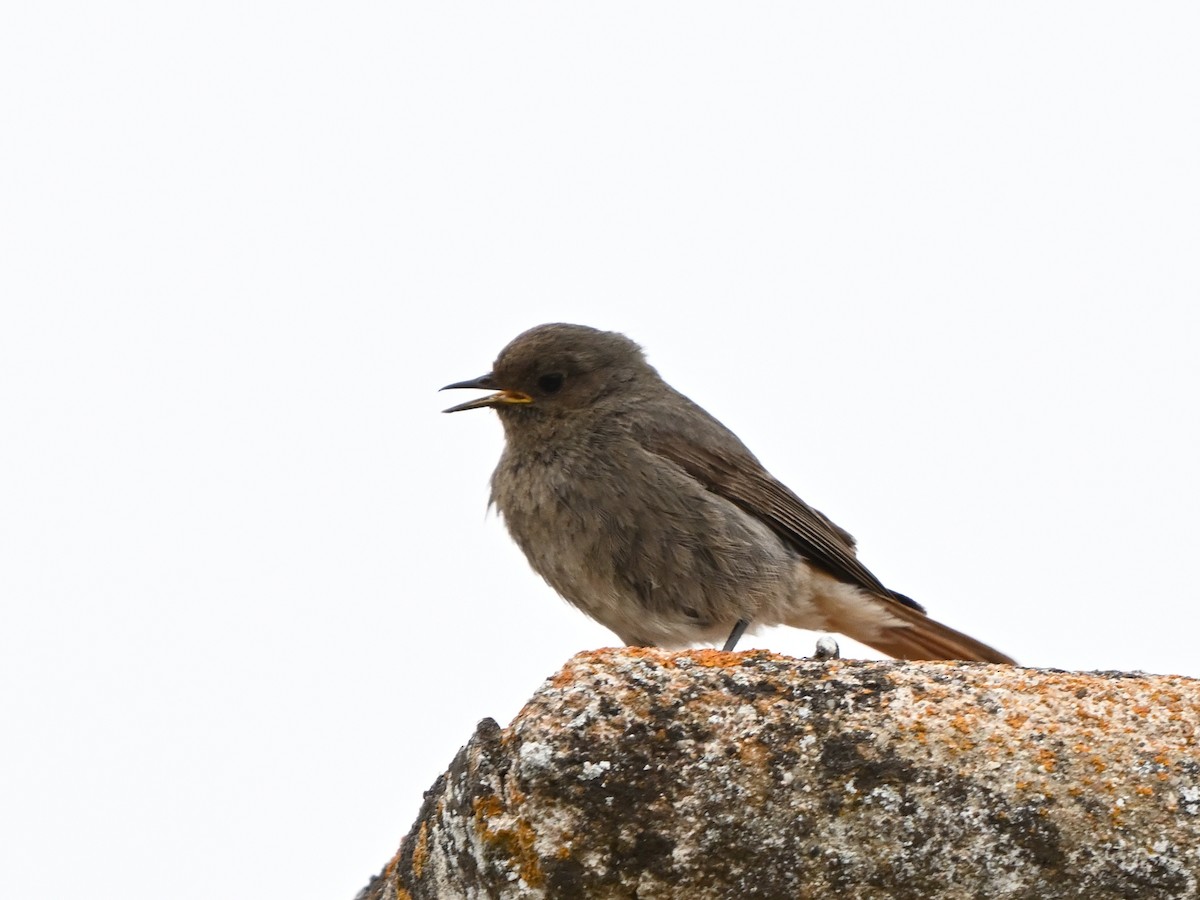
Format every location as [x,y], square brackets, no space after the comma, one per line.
[646,513]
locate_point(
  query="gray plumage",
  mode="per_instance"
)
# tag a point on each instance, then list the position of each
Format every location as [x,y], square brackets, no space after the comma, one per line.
[651,516]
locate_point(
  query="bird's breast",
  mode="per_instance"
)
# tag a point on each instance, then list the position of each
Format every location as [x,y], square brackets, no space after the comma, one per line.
[632,539]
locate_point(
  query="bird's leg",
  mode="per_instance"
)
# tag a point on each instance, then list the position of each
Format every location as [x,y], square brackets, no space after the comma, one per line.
[736,635]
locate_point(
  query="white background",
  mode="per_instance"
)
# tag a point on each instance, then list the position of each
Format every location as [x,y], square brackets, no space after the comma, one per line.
[936,263]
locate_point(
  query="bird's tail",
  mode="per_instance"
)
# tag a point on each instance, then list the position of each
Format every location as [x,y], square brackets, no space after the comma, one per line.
[920,637]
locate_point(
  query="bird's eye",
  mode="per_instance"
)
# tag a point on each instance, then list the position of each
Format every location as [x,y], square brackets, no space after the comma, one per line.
[550,383]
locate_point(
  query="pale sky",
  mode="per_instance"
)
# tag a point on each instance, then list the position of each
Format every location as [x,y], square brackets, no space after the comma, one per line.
[935,263]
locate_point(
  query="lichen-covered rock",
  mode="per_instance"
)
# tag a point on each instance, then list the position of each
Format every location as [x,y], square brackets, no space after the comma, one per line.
[647,774]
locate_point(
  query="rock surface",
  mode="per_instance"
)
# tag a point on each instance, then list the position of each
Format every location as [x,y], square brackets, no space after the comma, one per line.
[647,774]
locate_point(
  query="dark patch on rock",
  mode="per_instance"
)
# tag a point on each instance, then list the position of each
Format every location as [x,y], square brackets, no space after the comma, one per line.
[842,754]
[565,876]
[749,691]
[1031,829]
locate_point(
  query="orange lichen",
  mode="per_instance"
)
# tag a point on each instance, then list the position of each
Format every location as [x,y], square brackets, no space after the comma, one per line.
[757,756]
[714,658]
[920,731]
[391,866]
[604,657]
[486,808]
[517,843]
[529,865]
[421,851]
[564,678]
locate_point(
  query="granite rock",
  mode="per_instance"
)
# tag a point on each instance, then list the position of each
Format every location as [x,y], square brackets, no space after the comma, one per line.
[646,774]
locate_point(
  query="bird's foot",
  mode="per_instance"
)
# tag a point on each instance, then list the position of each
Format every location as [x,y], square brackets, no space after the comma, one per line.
[827,648]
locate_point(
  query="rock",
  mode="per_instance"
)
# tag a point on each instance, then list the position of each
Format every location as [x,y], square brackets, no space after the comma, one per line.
[648,774]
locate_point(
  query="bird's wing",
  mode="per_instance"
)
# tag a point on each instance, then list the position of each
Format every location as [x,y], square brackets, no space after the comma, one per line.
[727,468]
[744,482]
[724,466]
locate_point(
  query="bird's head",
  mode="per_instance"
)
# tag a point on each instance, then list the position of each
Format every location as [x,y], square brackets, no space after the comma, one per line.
[557,369]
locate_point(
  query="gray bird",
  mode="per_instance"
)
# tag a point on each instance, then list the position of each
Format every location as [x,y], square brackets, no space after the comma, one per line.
[651,516]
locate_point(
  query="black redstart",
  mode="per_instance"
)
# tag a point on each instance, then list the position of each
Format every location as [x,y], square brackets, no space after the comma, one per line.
[653,518]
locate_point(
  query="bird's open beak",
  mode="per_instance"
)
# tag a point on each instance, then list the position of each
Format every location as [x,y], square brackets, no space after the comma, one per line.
[485,383]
